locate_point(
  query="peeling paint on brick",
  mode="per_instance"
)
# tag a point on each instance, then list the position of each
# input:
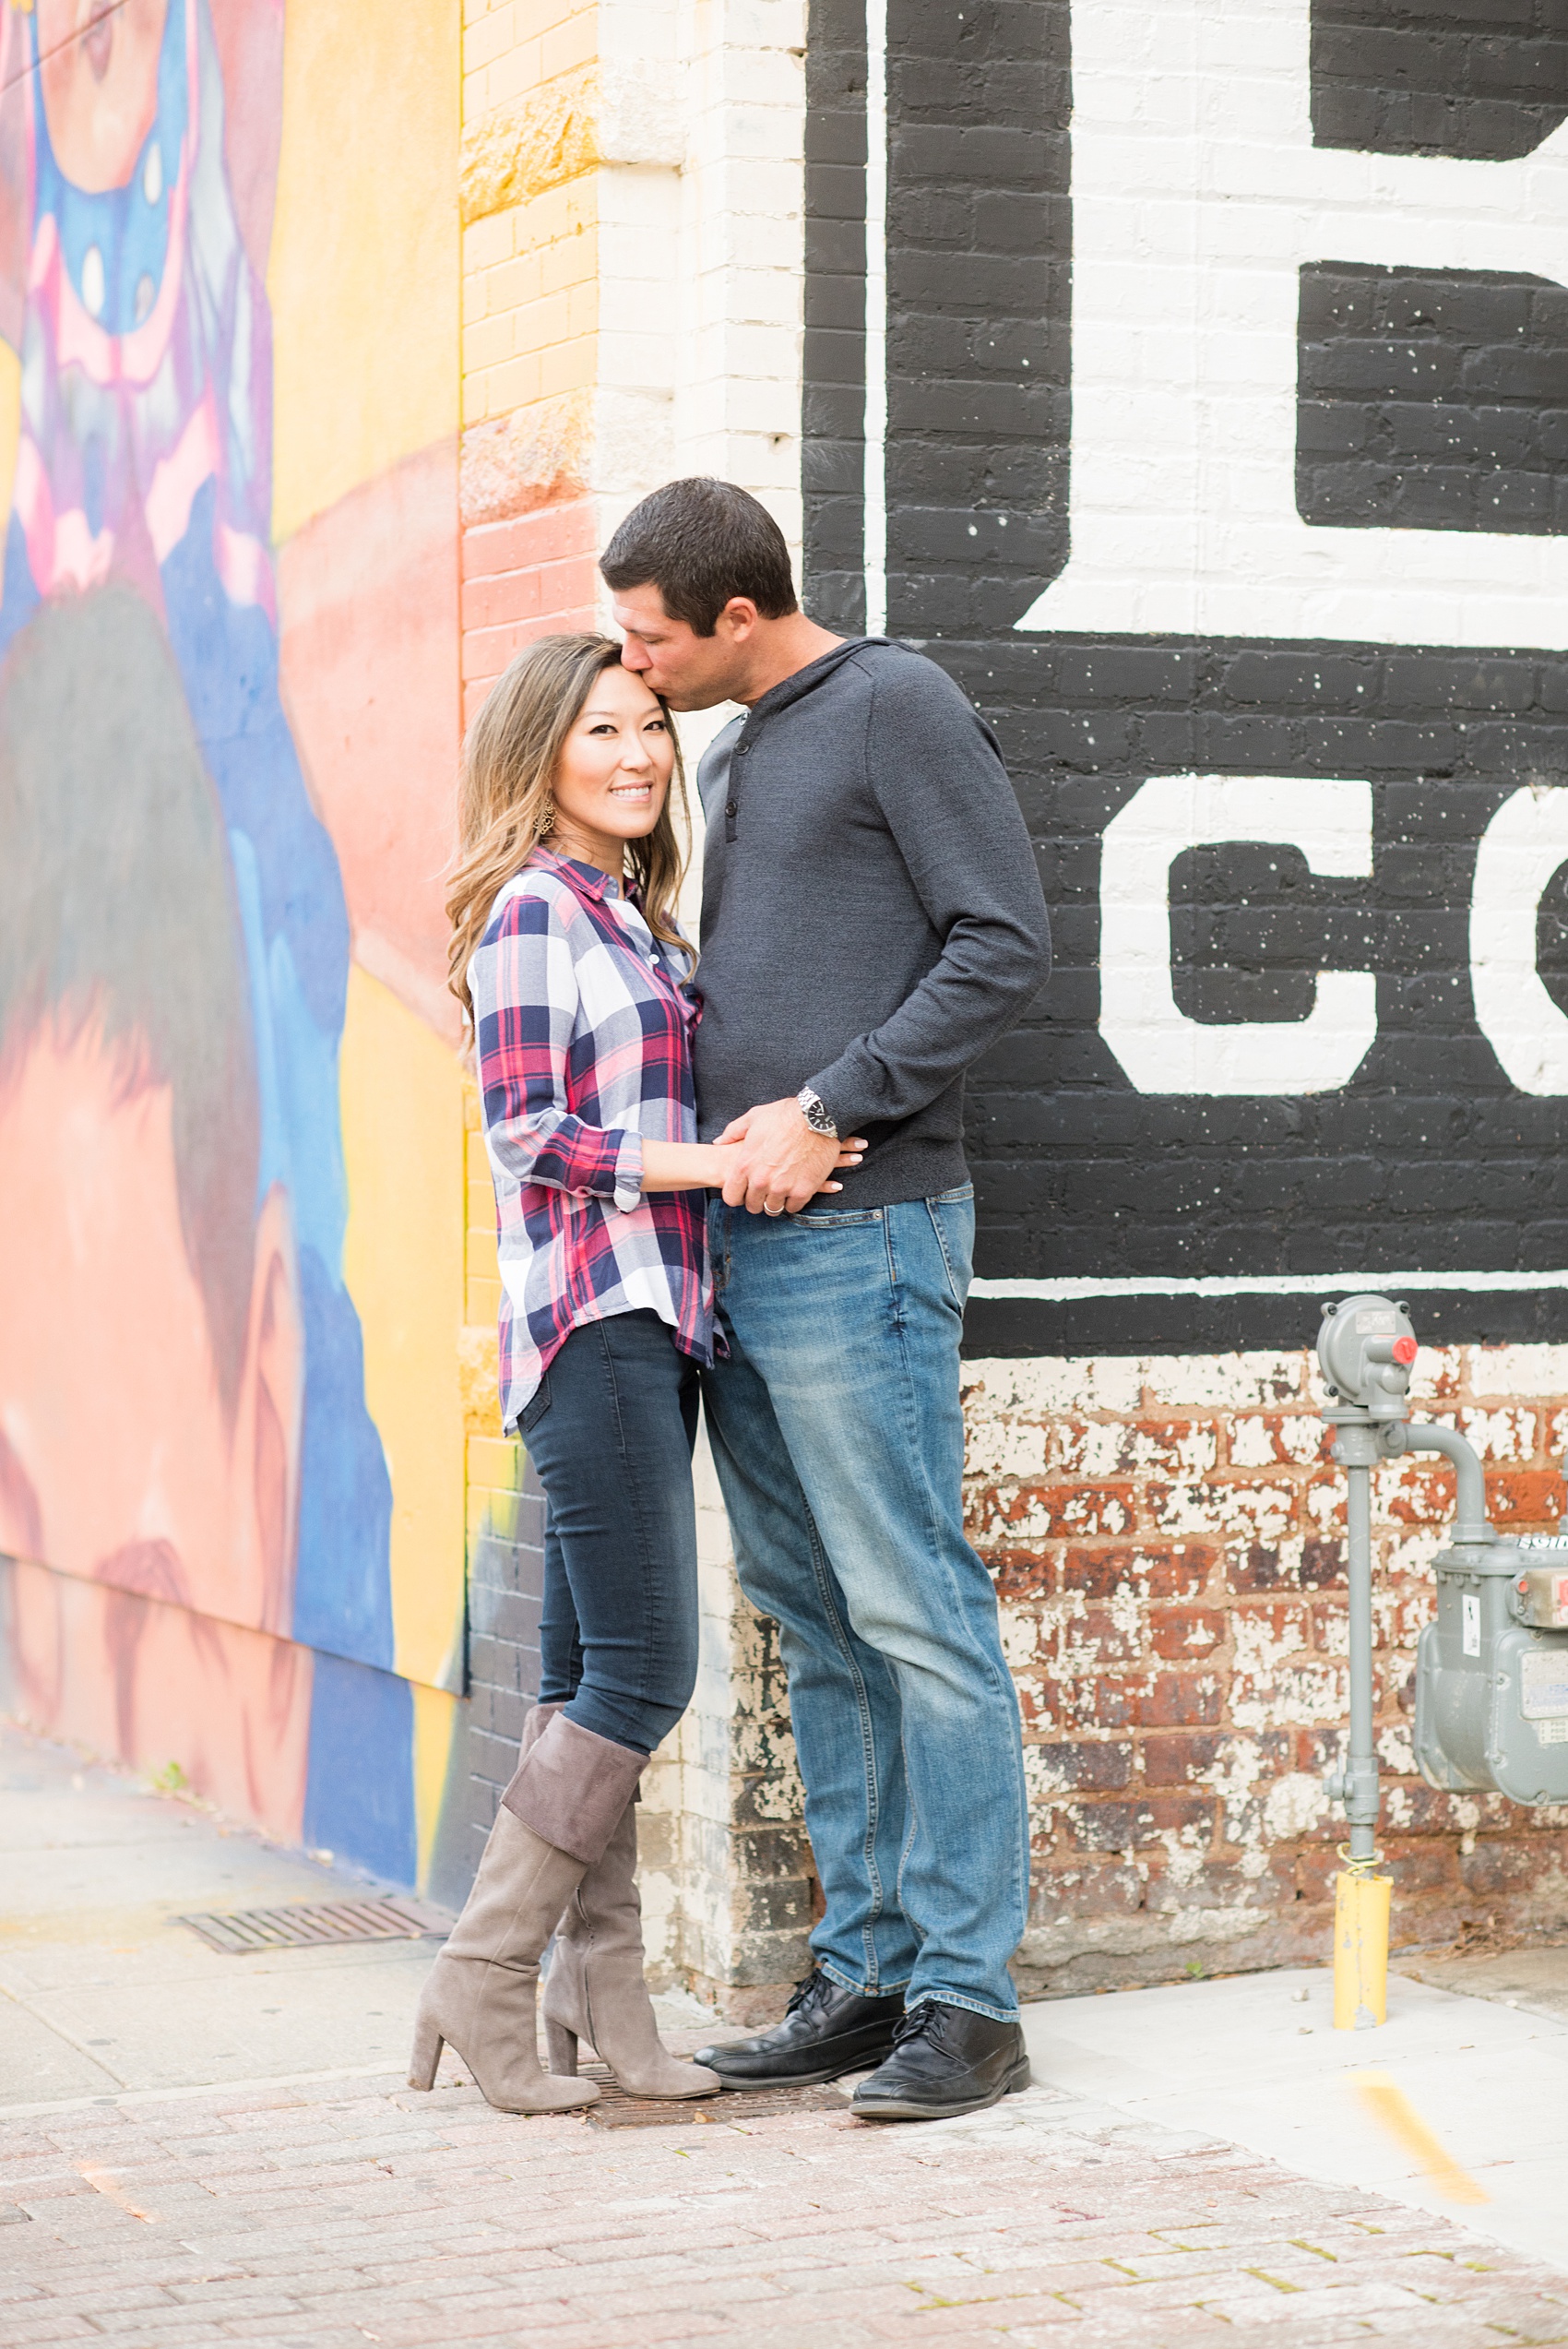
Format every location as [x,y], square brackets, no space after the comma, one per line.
[1210,1668]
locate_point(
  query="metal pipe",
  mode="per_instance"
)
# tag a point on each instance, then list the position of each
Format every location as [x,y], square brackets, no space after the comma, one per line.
[1470,1524]
[1361,1774]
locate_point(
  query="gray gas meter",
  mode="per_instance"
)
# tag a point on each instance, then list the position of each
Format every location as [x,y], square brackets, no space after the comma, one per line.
[1491,1671]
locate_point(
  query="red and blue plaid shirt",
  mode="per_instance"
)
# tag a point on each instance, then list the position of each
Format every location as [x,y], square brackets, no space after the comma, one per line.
[582,1031]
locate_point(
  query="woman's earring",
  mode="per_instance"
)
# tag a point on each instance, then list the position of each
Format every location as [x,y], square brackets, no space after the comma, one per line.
[545,823]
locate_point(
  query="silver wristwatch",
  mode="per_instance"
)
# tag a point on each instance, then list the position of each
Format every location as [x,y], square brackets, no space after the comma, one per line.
[814,1111]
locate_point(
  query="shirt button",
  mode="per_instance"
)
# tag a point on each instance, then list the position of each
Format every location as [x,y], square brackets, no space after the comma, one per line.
[731,808]
[742,749]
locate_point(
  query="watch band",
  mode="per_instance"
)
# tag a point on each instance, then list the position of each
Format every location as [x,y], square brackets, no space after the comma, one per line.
[814,1111]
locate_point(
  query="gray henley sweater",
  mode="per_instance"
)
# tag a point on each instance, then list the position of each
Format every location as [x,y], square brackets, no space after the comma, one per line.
[872,917]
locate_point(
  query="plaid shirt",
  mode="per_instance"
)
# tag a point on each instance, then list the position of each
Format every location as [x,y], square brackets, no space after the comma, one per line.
[582,1031]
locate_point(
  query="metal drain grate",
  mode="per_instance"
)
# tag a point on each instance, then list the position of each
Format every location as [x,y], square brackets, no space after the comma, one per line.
[306,1924]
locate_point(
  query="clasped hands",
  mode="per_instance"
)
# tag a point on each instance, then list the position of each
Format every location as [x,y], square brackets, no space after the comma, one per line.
[776,1164]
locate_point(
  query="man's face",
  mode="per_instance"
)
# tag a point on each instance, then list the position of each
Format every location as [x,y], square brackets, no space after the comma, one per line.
[120,1467]
[689,671]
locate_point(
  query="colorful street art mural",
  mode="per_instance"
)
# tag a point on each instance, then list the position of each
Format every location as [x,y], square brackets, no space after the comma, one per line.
[231,1110]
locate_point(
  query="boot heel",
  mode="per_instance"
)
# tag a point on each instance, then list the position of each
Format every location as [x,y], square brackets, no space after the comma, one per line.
[561,2045]
[1021,2079]
[426,2058]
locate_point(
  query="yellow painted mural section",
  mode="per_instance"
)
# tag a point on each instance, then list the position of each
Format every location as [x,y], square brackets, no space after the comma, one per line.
[436,1718]
[403,1134]
[364,290]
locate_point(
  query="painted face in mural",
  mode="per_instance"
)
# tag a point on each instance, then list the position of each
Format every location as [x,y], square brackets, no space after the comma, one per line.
[613,774]
[151,1350]
[99,71]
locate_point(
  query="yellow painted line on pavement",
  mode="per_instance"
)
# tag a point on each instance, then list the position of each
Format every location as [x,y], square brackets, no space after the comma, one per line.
[1389,2106]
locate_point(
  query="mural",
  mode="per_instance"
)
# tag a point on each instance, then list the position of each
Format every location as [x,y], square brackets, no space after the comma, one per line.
[230,1465]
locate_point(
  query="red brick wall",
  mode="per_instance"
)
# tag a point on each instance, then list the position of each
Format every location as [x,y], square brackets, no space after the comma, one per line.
[524,577]
[1168,1541]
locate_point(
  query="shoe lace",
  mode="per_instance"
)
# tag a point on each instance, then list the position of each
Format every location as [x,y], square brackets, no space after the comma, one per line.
[806,1990]
[920,2022]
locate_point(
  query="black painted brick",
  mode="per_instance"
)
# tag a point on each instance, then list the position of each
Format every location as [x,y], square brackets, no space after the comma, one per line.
[1430,399]
[1484,78]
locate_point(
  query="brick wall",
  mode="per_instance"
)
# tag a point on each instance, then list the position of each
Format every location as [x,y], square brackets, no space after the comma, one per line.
[1438,76]
[1168,1542]
[1166,1538]
[530,319]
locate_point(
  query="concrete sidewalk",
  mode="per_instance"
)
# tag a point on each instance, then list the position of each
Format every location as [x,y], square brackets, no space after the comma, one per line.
[197,2147]
[1456,2105]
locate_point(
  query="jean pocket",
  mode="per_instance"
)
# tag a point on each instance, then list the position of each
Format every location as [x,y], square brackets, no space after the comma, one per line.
[533,1410]
[953,1221]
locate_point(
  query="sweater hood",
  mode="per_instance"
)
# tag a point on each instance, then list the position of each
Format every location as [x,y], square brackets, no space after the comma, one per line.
[817,674]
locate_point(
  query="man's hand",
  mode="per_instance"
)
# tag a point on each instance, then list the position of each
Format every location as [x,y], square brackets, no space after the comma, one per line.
[780,1166]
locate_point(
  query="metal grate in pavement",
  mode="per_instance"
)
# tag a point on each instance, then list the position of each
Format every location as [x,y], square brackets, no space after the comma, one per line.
[305,1924]
[615,2109]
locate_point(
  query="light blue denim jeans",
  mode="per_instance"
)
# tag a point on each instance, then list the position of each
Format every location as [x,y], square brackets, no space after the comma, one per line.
[840,1444]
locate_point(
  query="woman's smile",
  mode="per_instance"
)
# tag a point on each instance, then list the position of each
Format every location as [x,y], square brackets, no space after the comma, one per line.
[613,775]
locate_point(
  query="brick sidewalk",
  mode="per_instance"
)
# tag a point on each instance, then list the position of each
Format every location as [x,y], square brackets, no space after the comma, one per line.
[329,2215]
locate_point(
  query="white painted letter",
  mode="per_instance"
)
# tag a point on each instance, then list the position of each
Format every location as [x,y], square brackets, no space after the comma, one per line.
[1197,197]
[1522,847]
[1162,1050]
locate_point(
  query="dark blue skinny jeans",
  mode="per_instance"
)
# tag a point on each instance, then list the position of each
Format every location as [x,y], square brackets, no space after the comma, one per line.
[611,1432]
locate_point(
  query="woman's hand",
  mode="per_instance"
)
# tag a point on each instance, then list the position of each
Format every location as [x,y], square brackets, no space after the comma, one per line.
[706,1166]
[726,1155]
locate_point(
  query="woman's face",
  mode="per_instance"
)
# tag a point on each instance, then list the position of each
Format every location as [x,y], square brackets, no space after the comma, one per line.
[613,773]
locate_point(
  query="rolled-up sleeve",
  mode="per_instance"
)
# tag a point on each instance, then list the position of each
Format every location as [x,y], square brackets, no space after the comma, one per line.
[524,996]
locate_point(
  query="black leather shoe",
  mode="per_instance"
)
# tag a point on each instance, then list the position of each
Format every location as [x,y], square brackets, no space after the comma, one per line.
[948,2060]
[825,2030]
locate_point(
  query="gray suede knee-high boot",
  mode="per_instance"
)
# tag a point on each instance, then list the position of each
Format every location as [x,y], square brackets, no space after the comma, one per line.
[555,1818]
[595,1989]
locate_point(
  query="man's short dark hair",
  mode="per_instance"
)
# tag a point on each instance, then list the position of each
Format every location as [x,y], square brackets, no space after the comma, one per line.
[118,910]
[700,542]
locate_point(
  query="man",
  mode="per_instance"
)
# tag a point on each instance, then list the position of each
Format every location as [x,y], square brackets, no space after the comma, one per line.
[872,922]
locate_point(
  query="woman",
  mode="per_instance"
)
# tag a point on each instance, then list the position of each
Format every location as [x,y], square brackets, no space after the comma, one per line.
[570,966]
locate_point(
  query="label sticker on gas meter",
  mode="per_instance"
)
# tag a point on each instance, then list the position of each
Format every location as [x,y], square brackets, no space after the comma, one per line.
[1471,1617]
[1543,1686]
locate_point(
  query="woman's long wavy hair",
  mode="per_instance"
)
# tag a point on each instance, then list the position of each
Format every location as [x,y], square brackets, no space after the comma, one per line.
[507,808]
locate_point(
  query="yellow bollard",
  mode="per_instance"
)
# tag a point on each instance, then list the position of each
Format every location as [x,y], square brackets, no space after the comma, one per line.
[1360,1949]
